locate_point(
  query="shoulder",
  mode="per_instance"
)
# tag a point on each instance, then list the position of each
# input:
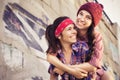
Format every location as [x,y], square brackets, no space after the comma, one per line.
[98,36]
[80,45]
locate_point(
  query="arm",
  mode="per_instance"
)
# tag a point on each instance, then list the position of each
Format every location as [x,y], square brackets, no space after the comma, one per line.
[96,59]
[56,62]
[77,72]
[86,66]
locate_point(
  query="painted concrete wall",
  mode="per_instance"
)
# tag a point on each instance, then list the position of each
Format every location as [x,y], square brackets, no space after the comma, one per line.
[22,40]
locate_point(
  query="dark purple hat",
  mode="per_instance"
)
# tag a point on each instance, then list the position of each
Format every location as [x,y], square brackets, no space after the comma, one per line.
[95,9]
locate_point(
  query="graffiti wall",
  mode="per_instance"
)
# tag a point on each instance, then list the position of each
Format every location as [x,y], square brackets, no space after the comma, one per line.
[27,31]
[22,23]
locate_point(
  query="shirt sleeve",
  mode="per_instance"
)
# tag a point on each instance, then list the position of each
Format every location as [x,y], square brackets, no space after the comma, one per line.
[96,58]
[50,70]
[80,46]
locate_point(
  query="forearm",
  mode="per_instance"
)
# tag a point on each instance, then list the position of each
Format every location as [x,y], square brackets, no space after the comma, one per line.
[85,66]
[88,67]
[77,72]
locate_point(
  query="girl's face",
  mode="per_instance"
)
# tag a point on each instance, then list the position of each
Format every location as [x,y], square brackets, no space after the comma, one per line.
[68,35]
[84,20]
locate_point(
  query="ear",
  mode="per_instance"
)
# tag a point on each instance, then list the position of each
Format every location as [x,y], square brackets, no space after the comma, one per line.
[59,37]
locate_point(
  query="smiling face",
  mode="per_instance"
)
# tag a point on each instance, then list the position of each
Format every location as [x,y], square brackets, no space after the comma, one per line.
[84,20]
[68,35]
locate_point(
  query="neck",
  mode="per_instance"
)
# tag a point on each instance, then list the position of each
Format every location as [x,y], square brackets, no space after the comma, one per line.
[67,51]
[67,48]
[83,32]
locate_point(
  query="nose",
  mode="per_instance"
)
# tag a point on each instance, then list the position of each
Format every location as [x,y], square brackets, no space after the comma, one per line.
[74,31]
[82,18]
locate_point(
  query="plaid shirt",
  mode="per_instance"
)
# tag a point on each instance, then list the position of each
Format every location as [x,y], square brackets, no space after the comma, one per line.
[80,49]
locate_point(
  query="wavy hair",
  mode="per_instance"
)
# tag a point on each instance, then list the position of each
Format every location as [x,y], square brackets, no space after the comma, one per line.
[53,42]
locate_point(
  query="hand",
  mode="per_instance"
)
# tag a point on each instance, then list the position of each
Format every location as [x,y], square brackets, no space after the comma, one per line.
[57,70]
[79,73]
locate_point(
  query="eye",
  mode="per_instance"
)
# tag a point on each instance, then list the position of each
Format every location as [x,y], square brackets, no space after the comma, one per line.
[81,13]
[69,28]
[89,17]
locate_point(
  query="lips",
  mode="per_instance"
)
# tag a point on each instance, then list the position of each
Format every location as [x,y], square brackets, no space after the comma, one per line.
[80,24]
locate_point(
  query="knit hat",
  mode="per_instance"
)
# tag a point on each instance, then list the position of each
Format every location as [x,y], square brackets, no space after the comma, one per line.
[95,9]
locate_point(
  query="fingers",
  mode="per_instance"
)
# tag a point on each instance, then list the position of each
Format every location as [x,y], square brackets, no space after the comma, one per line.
[79,73]
[84,75]
[83,71]
[81,76]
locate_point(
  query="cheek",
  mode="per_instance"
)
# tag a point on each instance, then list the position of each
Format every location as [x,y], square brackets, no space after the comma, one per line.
[89,23]
[77,21]
[77,17]
[65,36]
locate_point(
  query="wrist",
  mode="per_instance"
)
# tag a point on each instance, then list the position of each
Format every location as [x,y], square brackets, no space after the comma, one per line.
[69,69]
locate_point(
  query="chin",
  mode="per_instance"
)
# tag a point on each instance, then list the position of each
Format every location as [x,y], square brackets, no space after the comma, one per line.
[74,41]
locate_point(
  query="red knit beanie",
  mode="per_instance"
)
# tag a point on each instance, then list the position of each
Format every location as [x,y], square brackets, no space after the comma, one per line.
[95,9]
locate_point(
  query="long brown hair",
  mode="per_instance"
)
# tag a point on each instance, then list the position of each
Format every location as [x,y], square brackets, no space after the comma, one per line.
[53,42]
[91,37]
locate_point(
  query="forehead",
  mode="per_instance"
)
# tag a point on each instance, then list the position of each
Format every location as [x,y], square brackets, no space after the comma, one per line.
[85,12]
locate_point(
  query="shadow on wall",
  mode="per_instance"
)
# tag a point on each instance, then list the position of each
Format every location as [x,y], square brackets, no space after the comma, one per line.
[22,23]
